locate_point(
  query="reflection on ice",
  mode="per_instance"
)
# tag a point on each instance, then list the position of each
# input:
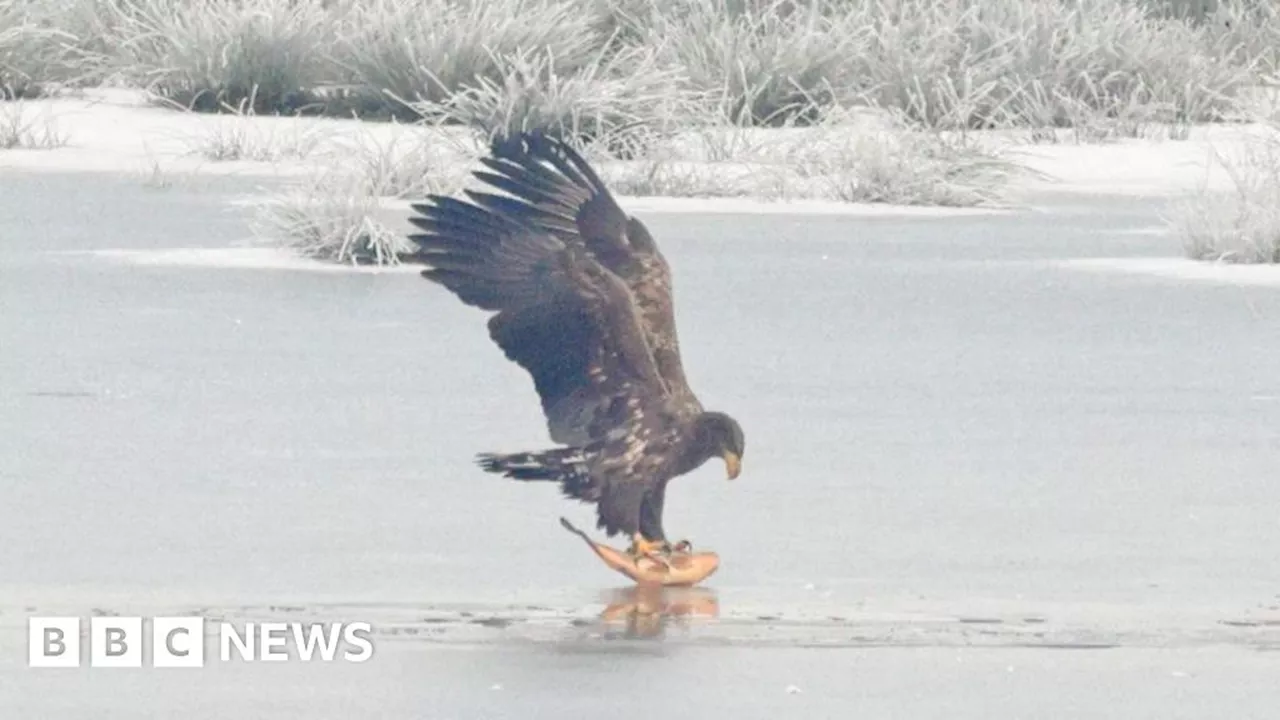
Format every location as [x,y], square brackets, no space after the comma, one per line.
[646,611]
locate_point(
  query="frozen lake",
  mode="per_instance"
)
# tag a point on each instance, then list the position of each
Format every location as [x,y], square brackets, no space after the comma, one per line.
[961,450]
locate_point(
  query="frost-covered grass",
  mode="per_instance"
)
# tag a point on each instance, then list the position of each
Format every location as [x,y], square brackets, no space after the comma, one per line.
[244,140]
[1241,225]
[943,63]
[621,101]
[332,217]
[667,97]
[208,55]
[904,168]
[23,127]
[852,158]
[35,54]
[1008,63]
[238,137]
[339,214]
[342,213]
[393,53]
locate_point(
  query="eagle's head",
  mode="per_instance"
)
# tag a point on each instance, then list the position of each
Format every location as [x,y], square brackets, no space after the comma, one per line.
[719,435]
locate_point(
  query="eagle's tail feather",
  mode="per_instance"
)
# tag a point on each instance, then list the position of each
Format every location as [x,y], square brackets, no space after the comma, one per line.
[567,466]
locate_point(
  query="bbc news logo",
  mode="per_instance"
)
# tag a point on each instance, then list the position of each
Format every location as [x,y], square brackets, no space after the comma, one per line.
[179,642]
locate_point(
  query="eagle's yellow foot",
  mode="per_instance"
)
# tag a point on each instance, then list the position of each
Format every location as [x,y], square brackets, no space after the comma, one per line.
[642,548]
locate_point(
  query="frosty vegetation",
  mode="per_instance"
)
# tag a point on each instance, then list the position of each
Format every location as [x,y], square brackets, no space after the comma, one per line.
[853,100]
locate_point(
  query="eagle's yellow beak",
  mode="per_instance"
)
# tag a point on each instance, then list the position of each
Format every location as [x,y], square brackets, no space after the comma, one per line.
[732,464]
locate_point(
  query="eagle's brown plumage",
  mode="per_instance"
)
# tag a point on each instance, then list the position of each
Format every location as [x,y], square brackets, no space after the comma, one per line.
[582,301]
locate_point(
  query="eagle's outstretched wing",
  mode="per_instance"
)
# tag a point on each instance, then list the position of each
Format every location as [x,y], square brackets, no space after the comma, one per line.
[551,187]
[560,315]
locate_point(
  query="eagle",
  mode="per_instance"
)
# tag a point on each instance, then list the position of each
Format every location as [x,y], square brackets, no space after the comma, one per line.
[581,299]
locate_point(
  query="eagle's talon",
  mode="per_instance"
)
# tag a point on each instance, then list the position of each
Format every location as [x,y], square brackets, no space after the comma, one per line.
[684,546]
[655,551]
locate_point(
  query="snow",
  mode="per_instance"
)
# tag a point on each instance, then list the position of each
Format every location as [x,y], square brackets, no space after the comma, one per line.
[119,130]
[1183,269]
[235,258]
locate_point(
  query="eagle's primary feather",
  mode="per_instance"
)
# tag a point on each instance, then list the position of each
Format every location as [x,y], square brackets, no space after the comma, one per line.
[582,300]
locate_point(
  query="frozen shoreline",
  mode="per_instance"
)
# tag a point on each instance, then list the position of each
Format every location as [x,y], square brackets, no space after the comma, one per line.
[119,131]
[1184,269]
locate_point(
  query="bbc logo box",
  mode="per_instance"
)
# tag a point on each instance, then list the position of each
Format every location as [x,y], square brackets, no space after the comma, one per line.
[54,642]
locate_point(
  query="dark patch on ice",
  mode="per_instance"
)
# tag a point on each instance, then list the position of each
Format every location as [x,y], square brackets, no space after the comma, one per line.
[1068,645]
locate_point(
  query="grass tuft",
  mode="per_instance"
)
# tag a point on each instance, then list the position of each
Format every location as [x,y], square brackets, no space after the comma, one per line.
[903,168]
[23,129]
[411,163]
[763,63]
[1242,225]
[667,177]
[397,54]
[339,215]
[206,55]
[335,218]
[239,137]
[34,57]
[620,101]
